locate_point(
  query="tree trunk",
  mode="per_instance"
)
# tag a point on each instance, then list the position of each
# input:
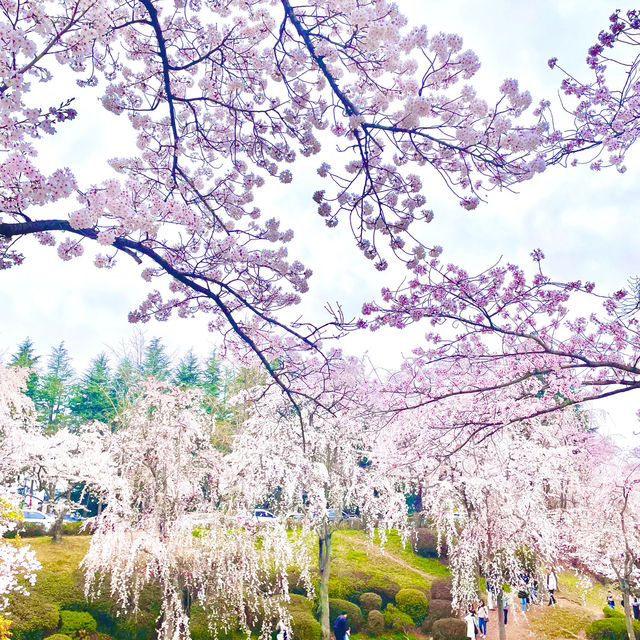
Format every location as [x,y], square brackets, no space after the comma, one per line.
[628,613]
[324,564]
[502,630]
[56,527]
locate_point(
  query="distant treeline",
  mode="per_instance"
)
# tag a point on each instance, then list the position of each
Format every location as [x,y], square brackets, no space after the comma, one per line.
[65,398]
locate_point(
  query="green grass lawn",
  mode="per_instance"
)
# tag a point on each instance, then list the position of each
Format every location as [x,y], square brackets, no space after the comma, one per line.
[563,621]
[595,596]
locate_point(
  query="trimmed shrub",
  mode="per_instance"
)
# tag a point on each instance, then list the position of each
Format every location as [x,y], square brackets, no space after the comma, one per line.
[348,585]
[375,623]
[425,544]
[384,587]
[99,609]
[63,588]
[354,614]
[438,609]
[75,529]
[295,584]
[303,624]
[449,629]
[31,530]
[612,613]
[32,616]
[58,636]
[370,601]
[74,621]
[414,603]
[441,589]
[613,628]
[396,620]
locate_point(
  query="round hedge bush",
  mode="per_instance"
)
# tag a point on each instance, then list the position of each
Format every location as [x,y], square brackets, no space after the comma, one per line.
[303,624]
[375,623]
[355,621]
[613,628]
[396,620]
[441,589]
[73,621]
[348,585]
[438,609]
[370,601]
[612,613]
[414,603]
[58,636]
[384,587]
[449,629]
[32,616]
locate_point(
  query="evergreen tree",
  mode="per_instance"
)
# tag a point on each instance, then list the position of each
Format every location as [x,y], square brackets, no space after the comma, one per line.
[157,363]
[188,372]
[125,380]
[55,388]
[25,357]
[212,377]
[94,397]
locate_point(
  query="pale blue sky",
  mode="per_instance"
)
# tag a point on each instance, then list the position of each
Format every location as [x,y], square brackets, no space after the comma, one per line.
[585,223]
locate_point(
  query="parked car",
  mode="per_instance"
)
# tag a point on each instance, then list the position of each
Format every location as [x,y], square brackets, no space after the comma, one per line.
[37,517]
[263,516]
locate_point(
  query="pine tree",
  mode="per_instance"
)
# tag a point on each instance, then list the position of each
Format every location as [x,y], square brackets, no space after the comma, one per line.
[55,388]
[125,380]
[25,357]
[188,372]
[94,397]
[212,377]
[156,364]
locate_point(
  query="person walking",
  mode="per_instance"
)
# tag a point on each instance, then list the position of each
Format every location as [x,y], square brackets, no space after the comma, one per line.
[470,620]
[552,585]
[505,607]
[483,617]
[635,605]
[281,631]
[534,591]
[524,598]
[491,595]
[611,603]
[341,626]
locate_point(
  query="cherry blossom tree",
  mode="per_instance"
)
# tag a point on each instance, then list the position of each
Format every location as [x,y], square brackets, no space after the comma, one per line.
[606,523]
[518,346]
[59,461]
[166,524]
[16,410]
[222,99]
[17,564]
[338,460]
[501,500]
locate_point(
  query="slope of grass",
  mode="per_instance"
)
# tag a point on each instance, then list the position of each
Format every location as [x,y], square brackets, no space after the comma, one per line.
[560,621]
[353,551]
[595,596]
[432,566]
[59,581]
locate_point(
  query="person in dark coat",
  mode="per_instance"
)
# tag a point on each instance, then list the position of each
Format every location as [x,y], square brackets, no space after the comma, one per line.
[340,626]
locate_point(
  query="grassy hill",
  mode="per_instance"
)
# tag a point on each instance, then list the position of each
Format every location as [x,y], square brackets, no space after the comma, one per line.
[359,567]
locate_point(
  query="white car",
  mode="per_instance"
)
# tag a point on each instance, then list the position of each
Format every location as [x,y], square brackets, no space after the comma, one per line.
[37,517]
[263,516]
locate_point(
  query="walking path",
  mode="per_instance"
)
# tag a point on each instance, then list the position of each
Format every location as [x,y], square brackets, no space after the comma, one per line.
[517,626]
